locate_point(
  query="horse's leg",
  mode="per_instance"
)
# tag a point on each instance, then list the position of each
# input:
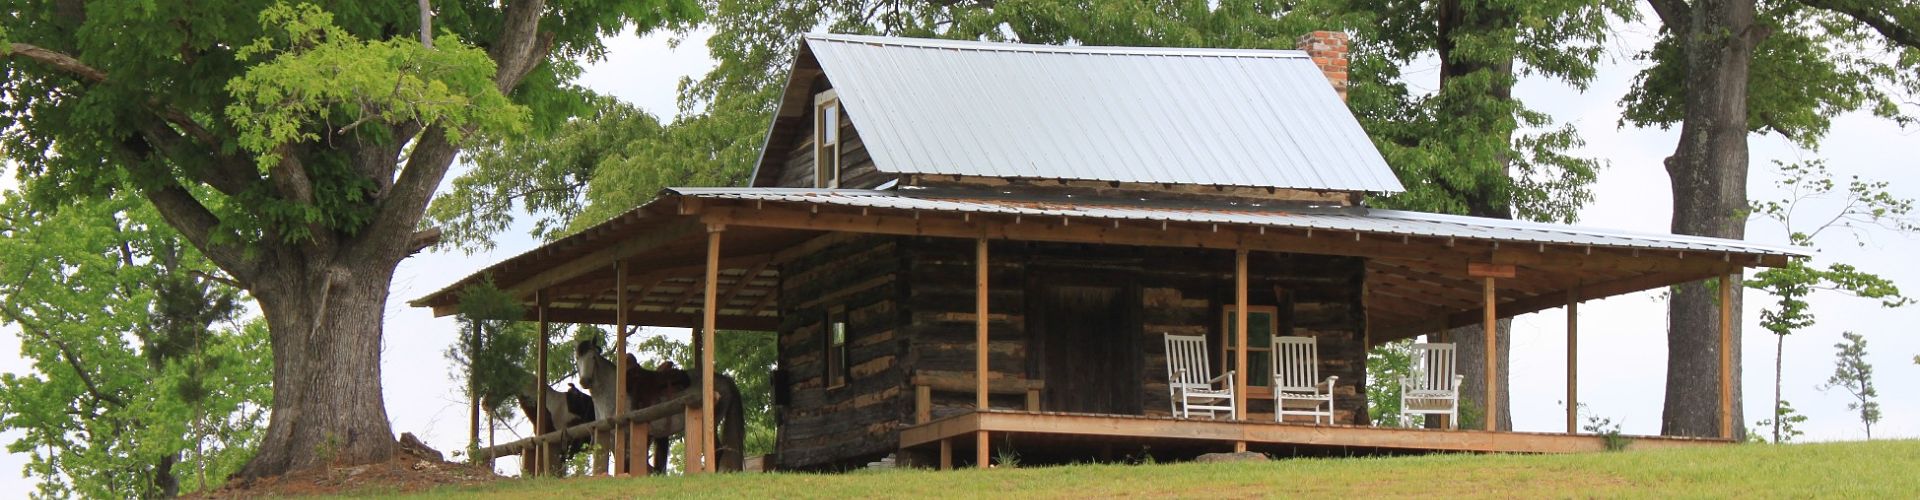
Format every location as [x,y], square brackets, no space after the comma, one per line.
[661,447]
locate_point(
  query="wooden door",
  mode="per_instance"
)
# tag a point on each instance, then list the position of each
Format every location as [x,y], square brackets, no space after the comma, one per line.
[1088,347]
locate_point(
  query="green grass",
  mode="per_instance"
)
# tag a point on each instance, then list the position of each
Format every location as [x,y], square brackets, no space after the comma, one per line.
[1879,469]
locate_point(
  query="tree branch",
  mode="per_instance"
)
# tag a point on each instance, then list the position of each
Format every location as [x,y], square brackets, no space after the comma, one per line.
[1898,32]
[66,353]
[521,46]
[187,215]
[402,206]
[65,63]
[422,239]
[1674,13]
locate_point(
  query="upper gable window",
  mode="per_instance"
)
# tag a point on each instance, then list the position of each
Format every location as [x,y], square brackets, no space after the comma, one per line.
[826,139]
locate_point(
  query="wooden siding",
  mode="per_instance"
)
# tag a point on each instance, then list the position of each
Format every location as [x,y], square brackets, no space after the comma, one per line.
[832,428]
[1176,291]
[910,305]
[857,170]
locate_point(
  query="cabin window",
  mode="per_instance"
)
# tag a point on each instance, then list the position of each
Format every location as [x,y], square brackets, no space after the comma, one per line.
[826,140]
[1265,321]
[836,357]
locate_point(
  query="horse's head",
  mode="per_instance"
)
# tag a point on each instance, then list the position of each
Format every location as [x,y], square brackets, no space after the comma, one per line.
[586,357]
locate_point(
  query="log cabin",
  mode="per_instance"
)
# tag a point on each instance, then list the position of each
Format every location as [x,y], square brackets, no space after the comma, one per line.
[971,248]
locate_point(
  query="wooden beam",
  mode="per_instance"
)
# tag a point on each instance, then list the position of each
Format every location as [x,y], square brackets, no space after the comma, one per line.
[692,290]
[746,280]
[980,336]
[1542,302]
[1491,321]
[1240,341]
[540,386]
[1488,270]
[622,448]
[1119,428]
[1573,360]
[641,242]
[679,268]
[709,323]
[653,318]
[1726,355]
[937,225]
[664,409]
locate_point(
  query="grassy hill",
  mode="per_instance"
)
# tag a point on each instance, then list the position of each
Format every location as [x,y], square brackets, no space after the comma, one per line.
[1880,469]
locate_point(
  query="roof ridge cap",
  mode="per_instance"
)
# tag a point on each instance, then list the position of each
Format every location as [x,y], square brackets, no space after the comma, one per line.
[941,43]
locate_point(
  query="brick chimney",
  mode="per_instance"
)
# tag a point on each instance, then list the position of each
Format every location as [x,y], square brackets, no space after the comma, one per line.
[1329,51]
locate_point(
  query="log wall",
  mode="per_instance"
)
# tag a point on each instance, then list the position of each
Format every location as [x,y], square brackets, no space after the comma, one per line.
[856,166]
[825,428]
[910,303]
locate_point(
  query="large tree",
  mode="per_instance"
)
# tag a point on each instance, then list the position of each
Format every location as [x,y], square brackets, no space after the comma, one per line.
[1725,69]
[296,146]
[1468,147]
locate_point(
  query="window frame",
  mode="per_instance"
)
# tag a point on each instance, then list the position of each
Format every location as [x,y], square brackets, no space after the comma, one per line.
[826,157]
[836,371]
[1227,346]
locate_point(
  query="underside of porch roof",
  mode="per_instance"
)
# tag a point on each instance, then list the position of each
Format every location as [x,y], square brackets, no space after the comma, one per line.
[1417,272]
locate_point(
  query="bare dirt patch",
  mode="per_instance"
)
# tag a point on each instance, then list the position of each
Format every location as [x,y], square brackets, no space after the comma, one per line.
[415,468]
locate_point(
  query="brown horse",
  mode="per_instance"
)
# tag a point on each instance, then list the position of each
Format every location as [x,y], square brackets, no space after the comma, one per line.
[650,387]
[563,410]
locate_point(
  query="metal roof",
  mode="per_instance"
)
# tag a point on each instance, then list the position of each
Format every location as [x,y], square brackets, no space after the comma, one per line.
[1261,118]
[1372,221]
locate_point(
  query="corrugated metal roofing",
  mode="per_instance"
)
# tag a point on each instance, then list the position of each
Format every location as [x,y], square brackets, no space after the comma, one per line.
[1263,118]
[1373,221]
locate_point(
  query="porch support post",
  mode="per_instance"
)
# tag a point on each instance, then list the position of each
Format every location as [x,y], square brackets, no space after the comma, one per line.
[1726,355]
[1573,359]
[622,448]
[708,309]
[1240,341]
[980,346]
[1490,322]
[540,457]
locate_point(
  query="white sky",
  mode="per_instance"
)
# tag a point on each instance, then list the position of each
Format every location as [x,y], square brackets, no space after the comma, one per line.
[1622,341]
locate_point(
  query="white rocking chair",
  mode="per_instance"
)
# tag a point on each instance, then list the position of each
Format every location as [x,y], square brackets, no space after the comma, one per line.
[1297,387]
[1188,384]
[1434,388]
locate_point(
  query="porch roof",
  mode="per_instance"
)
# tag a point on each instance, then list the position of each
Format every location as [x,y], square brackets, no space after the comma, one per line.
[1416,272]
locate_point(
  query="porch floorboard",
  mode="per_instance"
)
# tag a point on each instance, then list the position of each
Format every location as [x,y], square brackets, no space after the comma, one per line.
[1081,436]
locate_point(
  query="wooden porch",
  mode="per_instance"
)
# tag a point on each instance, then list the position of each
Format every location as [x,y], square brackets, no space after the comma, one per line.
[1051,437]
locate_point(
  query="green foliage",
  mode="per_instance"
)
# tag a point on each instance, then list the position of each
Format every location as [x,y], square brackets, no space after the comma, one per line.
[315,73]
[491,351]
[1608,431]
[141,384]
[594,168]
[1789,421]
[1387,365]
[1815,62]
[1467,147]
[1864,206]
[597,168]
[1852,373]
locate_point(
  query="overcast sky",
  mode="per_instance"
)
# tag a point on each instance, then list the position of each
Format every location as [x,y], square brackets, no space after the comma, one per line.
[1622,341]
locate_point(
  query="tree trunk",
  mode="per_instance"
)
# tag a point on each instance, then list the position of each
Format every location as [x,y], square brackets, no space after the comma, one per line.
[1470,344]
[1709,174]
[1458,20]
[325,322]
[1779,344]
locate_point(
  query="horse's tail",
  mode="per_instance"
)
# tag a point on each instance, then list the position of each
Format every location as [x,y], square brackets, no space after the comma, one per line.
[732,446]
